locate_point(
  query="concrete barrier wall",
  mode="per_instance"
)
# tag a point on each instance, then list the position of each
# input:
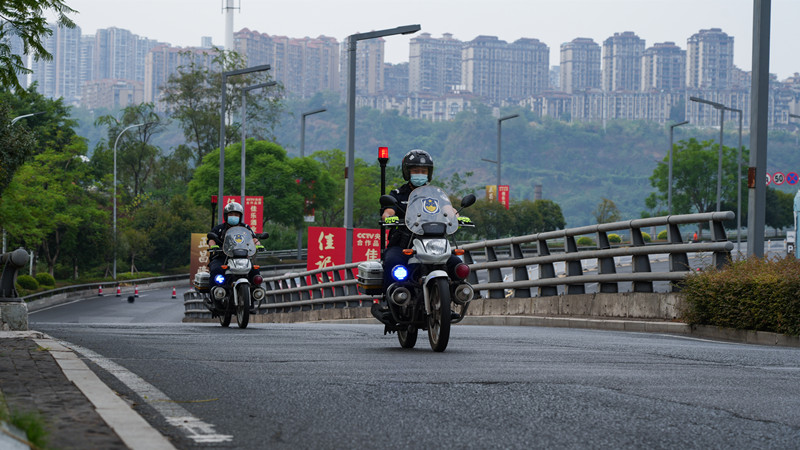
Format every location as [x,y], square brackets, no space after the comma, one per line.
[66,297]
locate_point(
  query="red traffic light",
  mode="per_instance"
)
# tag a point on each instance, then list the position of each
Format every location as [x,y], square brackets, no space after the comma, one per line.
[213,199]
[383,152]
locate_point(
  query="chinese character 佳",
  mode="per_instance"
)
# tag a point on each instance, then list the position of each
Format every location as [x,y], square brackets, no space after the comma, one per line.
[326,242]
[372,254]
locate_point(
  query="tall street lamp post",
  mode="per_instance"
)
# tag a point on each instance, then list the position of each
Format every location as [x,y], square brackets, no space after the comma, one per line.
[349,173]
[115,189]
[303,129]
[721,108]
[499,139]
[13,121]
[302,155]
[223,95]
[738,183]
[796,210]
[245,90]
[669,176]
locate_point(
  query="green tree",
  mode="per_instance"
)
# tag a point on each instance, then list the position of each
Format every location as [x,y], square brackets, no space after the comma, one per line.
[26,19]
[16,143]
[779,209]
[136,157]
[193,96]
[366,192]
[606,212]
[271,174]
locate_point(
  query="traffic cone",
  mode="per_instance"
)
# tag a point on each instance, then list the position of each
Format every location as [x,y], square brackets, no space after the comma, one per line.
[119,291]
[135,291]
[174,294]
[100,291]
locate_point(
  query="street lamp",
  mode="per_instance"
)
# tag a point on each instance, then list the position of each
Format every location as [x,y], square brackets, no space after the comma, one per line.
[223,95]
[738,182]
[721,108]
[303,129]
[115,189]
[499,135]
[15,119]
[669,177]
[349,173]
[245,90]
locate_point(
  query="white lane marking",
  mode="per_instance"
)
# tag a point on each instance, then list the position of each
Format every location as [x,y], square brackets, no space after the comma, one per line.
[177,416]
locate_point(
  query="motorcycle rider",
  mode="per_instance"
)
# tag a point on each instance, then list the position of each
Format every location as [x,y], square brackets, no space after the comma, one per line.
[233,215]
[417,168]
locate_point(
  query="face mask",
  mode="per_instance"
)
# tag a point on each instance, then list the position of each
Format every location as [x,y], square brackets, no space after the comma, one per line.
[419,179]
[233,220]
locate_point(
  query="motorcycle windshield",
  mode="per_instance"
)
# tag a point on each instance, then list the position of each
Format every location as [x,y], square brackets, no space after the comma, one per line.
[430,205]
[238,238]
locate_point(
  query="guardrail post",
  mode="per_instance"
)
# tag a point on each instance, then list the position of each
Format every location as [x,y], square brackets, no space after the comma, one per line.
[722,258]
[678,262]
[546,270]
[495,275]
[606,265]
[520,272]
[574,268]
[473,277]
[641,263]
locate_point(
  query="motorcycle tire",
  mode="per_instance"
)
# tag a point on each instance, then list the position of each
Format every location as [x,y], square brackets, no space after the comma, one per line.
[439,319]
[243,308]
[225,318]
[407,337]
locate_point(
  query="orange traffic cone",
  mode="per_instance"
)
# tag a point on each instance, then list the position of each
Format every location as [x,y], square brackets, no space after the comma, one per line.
[119,291]
[135,291]
[174,294]
[100,291]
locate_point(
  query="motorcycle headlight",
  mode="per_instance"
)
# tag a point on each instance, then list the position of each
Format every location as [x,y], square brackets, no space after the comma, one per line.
[436,246]
[239,263]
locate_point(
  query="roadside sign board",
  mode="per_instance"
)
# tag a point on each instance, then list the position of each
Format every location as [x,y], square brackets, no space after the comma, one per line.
[199,255]
[791,178]
[769,179]
[326,246]
[253,209]
[503,195]
[778,178]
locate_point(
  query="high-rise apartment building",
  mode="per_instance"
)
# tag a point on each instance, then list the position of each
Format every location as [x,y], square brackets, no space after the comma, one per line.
[59,77]
[304,66]
[710,60]
[498,71]
[434,64]
[622,62]
[369,67]
[395,79]
[17,48]
[663,67]
[164,61]
[580,65]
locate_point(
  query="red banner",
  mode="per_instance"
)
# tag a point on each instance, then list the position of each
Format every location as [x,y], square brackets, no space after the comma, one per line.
[253,209]
[503,195]
[326,246]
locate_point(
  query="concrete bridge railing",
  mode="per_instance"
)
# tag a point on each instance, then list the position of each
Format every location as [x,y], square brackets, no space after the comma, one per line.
[534,277]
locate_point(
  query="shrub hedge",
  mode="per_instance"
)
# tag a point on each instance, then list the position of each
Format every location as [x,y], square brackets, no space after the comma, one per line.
[585,241]
[27,282]
[45,279]
[614,238]
[662,235]
[752,294]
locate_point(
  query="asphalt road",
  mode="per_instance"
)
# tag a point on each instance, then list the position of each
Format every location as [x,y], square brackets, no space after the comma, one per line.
[349,386]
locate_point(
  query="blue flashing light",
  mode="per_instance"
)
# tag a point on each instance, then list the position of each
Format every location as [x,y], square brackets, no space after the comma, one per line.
[219,279]
[399,273]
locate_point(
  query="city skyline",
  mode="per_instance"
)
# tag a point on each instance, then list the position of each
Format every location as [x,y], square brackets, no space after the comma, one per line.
[654,21]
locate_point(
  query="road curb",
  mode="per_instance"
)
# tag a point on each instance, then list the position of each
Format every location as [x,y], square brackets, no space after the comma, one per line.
[134,431]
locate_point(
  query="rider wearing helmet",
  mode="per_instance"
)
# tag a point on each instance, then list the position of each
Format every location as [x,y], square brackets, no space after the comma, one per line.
[234,216]
[417,170]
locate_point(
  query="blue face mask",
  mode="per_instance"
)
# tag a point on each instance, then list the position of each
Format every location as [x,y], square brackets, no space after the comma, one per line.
[419,179]
[233,220]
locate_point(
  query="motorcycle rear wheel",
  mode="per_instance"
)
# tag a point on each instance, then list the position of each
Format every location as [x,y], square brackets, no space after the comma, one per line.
[407,338]
[243,308]
[439,319]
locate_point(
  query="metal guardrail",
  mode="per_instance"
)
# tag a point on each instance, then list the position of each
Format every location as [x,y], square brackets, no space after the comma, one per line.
[335,287]
[105,284]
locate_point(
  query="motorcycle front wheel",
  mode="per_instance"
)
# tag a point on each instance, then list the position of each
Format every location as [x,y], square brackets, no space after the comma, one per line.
[439,319]
[225,317]
[243,308]
[407,337]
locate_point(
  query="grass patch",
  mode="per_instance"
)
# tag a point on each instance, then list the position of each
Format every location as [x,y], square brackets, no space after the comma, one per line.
[752,294]
[30,422]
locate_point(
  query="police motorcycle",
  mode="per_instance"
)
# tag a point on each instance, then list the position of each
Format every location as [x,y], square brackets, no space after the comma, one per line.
[233,292]
[424,293]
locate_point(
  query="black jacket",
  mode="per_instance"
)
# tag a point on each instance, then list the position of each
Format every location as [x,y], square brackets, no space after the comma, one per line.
[400,236]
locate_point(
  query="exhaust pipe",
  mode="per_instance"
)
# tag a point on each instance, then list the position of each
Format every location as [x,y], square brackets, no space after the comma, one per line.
[259,294]
[463,293]
[400,296]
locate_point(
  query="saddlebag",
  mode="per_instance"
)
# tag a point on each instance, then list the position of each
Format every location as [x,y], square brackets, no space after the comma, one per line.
[202,281]
[370,277]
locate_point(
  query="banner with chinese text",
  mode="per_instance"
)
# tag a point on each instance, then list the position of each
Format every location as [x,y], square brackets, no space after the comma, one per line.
[253,209]
[326,246]
[503,194]
[199,255]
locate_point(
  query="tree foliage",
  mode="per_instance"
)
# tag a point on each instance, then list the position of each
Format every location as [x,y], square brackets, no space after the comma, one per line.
[607,212]
[26,20]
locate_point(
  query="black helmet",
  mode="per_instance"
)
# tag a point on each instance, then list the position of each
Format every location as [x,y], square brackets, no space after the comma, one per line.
[233,207]
[417,158]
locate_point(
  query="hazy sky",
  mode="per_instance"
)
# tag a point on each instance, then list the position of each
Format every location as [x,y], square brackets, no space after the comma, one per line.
[183,22]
